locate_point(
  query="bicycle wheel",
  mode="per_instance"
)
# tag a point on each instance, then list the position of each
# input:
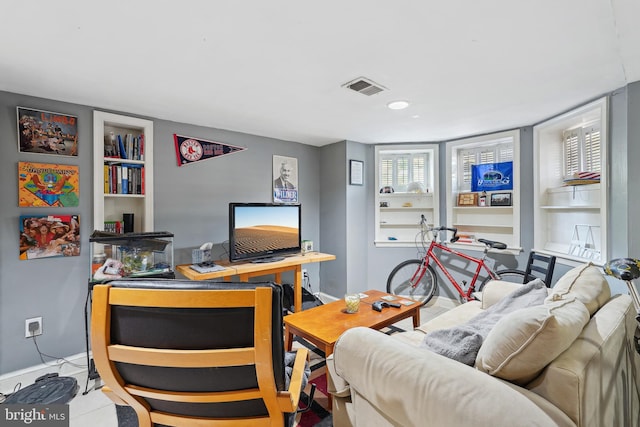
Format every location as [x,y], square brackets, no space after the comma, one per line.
[402,281]
[514,276]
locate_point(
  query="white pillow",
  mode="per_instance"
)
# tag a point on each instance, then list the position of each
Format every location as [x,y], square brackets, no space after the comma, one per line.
[524,342]
[587,283]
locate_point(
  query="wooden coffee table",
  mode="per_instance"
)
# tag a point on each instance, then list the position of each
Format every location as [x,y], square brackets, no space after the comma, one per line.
[323,325]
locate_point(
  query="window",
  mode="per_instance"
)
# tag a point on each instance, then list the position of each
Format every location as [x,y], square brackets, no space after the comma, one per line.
[581,150]
[499,151]
[399,169]
[406,179]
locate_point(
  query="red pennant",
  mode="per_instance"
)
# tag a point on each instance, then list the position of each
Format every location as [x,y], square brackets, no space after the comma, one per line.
[191,150]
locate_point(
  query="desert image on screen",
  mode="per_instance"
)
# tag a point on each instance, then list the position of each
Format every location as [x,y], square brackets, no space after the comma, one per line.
[263,238]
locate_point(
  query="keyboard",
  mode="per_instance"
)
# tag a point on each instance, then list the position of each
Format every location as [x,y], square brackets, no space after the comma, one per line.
[206,267]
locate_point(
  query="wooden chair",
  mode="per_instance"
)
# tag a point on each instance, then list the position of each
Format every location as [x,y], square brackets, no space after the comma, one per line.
[184,353]
[540,266]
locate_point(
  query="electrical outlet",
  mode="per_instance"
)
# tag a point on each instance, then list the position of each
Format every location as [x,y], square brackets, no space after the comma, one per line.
[33,327]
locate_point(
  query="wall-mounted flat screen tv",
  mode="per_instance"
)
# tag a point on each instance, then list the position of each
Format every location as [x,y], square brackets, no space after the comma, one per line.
[263,232]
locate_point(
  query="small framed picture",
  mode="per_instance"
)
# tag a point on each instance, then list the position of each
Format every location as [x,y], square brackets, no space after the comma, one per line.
[356,172]
[501,199]
[467,199]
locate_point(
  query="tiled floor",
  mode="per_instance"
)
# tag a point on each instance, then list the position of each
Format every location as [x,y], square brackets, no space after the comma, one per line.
[96,410]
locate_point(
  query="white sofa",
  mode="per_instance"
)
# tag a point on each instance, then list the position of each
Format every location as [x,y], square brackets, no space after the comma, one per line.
[531,369]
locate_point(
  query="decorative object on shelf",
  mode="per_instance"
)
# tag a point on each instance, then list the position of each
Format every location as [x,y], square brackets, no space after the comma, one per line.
[387,189]
[44,132]
[384,204]
[500,199]
[467,199]
[285,179]
[47,236]
[127,221]
[416,187]
[583,243]
[407,205]
[492,176]
[307,246]
[356,172]
[191,150]
[48,185]
[482,200]
[583,178]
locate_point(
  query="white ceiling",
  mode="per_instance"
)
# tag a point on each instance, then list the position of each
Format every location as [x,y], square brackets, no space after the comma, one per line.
[276,68]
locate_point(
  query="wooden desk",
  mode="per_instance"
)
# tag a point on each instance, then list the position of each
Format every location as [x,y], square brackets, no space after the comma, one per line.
[246,270]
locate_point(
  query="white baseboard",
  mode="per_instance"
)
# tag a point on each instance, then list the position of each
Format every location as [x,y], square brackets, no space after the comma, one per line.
[16,380]
[326,297]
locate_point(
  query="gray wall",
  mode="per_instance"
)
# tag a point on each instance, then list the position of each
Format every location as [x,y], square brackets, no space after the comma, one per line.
[333,223]
[54,288]
[189,201]
[633,150]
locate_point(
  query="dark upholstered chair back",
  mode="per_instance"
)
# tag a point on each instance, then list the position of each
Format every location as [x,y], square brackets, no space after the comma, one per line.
[179,347]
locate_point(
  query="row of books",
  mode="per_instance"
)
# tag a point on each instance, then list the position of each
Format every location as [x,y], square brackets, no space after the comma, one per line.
[128,147]
[114,227]
[124,179]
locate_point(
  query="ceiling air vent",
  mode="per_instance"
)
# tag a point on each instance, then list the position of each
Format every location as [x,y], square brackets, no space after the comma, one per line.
[364,86]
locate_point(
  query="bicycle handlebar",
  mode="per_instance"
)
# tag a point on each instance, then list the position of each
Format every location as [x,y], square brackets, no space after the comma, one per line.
[453,239]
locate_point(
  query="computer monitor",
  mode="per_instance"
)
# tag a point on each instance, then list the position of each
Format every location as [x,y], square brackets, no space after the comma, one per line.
[264,232]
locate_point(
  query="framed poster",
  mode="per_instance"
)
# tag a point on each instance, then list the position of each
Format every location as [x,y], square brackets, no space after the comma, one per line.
[356,172]
[45,132]
[48,185]
[46,236]
[285,179]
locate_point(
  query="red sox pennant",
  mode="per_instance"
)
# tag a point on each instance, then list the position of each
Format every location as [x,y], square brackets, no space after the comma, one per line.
[191,150]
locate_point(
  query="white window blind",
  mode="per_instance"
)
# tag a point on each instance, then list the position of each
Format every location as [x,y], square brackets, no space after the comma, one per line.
[581,150]
[467,157]
[398,170]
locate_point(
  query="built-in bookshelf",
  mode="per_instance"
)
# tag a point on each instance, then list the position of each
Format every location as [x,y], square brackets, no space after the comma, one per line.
[570,215]
[123,171]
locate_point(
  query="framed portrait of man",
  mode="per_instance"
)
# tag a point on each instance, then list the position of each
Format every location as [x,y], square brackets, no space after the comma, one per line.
[285,179]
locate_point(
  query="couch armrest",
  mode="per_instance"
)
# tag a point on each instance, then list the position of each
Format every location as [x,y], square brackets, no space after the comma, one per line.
[495,290]
[415,387]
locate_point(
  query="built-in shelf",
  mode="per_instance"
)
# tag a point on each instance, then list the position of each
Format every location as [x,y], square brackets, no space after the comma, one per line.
[112,171]
[585,207]
[563,212]
[477,225]
[398,213]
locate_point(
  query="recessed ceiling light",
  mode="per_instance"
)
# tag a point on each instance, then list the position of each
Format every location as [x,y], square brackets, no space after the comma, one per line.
[398,105]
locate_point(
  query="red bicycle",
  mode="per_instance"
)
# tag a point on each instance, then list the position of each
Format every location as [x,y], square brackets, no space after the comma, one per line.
[416,279]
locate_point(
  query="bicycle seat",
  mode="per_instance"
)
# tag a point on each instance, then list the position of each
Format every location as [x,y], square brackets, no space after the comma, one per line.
[493,244]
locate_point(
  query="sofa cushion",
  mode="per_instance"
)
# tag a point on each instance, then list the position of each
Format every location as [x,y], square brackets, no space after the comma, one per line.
[462,342]
[587,283]
[523,342]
